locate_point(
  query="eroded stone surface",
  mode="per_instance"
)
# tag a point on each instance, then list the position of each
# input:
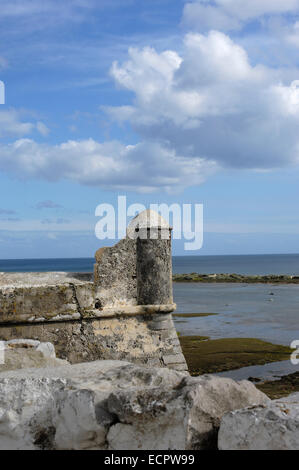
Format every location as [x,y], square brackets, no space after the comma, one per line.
[110,316]
[154,270]
[25,353]
[273,426]
[42,279]
[40,297]
[144,339]
[115,275]
[115,405]
[138,269]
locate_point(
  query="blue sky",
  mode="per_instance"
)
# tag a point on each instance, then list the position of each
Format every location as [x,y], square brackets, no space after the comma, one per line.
[160,100]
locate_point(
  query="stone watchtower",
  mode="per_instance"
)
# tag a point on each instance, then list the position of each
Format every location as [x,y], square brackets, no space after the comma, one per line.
[138,270]
[123,312]
[153,259]
[134,279]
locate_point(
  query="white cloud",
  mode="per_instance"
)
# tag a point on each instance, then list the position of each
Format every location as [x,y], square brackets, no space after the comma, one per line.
[145,167]
[195,111]
[232,14]
[211,103]
[11,124]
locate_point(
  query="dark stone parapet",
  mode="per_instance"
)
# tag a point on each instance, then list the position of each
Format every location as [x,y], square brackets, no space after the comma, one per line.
[225,277]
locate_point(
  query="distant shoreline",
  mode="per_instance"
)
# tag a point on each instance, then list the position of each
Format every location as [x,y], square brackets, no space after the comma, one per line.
[245,265]
[236,278]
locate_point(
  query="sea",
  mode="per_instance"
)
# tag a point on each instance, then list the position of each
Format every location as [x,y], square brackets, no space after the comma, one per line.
[239,264]
[265,311]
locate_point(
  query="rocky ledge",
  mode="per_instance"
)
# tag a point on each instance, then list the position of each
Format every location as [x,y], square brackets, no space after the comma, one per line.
[112,405]
[225,277]
[272,426]
[117,405]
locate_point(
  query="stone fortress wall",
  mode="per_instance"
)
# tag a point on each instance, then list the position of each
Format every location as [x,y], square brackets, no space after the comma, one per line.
[122,312]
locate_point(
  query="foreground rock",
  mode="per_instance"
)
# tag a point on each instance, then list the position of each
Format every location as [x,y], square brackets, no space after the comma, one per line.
[186,416]
[273,426]
[24,353]
[115,405]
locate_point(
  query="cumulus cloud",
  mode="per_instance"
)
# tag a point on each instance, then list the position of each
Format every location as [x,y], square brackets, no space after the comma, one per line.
[211,103]
[227,15]
[195,111]
[12,124]
[143,167]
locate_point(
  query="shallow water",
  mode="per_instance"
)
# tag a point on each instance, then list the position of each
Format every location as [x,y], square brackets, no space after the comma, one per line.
[272,371]
[244,310]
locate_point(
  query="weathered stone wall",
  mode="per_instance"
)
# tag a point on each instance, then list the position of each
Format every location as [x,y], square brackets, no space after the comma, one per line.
[115,275]
[123,313]
[138,269]
[143,339]
[59,308]
[38,297]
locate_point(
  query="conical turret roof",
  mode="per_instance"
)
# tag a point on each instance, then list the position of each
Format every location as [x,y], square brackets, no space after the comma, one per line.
[147,219]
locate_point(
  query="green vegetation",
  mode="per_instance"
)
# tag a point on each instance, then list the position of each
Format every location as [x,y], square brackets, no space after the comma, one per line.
[282,387]
[268,279]
[210,356]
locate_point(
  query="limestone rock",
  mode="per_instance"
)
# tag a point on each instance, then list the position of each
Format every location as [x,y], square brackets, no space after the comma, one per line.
[24,353]
[273,426]
[183,417]
[44,297]
[116,405]
[26,407]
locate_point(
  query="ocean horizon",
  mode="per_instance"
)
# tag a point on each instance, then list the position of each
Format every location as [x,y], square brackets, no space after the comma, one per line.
[240,310]
[287,264]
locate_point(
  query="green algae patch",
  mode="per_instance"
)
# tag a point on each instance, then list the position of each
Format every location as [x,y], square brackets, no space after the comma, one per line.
[239,278]
[193,315]
[219,355]
[280,388]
